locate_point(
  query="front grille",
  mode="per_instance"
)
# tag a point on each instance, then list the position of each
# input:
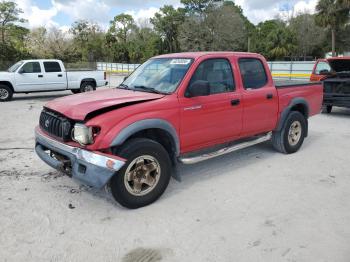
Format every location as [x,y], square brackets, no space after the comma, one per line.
[56,125]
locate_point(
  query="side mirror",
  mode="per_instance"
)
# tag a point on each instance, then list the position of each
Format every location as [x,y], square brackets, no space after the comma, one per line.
[325,72]
[198,88]
[21,71]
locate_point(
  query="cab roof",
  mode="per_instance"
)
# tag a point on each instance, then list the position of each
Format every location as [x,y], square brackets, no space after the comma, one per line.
[196,55]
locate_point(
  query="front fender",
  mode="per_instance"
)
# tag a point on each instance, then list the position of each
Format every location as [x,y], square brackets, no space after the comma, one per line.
[135,127]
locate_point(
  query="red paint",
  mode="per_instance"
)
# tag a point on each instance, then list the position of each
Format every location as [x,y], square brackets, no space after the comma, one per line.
[215,121]
[316,77]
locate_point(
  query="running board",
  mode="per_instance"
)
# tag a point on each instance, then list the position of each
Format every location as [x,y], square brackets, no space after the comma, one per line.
[226,150]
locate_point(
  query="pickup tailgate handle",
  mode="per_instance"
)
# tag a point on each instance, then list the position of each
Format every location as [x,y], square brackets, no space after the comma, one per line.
[269,96]
[40,76]
[235,102]
[59,75]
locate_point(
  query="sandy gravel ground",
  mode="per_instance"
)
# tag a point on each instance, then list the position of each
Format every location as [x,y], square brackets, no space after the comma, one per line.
[252,205]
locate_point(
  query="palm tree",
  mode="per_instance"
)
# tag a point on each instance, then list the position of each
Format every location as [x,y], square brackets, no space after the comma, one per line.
[332,14]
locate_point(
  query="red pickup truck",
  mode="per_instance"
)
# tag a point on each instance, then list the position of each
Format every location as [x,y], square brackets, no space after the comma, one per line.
[186,107]
[335,74]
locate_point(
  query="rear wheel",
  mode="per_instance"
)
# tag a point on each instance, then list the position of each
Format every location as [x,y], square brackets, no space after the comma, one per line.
[87,87]
[145,175]
[6,93]
[290,138]
[327,109]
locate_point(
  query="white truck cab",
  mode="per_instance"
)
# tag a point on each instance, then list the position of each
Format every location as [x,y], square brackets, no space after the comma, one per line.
[44,75]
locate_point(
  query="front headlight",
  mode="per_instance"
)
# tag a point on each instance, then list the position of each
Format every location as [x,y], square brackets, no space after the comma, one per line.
[83,134]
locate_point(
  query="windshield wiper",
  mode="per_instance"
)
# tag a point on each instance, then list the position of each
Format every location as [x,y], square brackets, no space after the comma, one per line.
[150,89]
[124,86]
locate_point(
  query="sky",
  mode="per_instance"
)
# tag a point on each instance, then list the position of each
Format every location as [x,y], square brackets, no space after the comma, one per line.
[62,13]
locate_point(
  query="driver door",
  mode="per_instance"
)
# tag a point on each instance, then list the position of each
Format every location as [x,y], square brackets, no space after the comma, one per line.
[30,77]
[214,118]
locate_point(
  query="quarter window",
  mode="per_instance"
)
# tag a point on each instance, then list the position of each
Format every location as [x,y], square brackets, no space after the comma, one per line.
[51,67]
[31,67]
[253,73]
[216,73]
[322,66]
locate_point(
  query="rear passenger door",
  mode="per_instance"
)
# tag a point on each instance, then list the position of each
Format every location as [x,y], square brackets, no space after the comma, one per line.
[260,100]
[55,78]
[213,118]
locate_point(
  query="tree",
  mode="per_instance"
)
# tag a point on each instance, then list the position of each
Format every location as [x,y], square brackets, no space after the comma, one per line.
[330,14]
[89,40]
[197,6]
[309,36]
[144,44]
[218,28]
[167,23]
[51,43]
[118,35]
[274,39]
[9,15]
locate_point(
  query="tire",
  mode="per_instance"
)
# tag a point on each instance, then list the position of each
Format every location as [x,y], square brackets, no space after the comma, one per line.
[87,87]
[286,142]
[125,189]
[75,91]
[6,93]
[327,109]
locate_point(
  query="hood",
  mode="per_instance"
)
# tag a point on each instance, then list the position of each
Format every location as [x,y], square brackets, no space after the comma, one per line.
[5,75]
[339,65]
[78,107]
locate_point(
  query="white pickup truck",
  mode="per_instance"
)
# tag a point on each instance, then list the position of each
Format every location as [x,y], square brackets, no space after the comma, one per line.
[46,75]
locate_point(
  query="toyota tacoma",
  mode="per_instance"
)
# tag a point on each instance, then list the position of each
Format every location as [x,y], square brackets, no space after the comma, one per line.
[175,108]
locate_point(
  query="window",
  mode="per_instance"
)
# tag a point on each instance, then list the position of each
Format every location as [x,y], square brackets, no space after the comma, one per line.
[215,73]
[161,74]
[51,67]
[253,73]
[31,67]
[322,66]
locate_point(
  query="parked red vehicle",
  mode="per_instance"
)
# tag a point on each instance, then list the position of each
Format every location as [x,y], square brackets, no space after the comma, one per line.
[186,107]
[335,74]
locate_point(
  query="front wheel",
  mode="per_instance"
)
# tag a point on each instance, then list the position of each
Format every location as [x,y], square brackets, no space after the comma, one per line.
[5,93]
[145,175]
[290,138]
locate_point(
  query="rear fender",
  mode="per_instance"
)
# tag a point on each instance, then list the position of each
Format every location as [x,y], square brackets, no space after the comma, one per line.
[296,102]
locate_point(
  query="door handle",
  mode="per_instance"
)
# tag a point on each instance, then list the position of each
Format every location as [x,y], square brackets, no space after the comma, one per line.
[269,96]
[235,102]
[59,75]
[40,76]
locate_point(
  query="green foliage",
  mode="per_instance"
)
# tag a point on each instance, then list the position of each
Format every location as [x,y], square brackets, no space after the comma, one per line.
[167,24]
[210,34]
[200,25]
[332,14]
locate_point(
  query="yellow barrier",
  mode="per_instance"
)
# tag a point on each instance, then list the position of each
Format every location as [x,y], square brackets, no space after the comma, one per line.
[290,75]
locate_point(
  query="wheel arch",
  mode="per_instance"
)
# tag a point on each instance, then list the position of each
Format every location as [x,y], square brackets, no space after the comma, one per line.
[157,129]
[297,104]
[88,80]
[8,84]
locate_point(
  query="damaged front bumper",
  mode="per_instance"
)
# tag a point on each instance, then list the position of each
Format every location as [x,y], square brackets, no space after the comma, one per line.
[91,168]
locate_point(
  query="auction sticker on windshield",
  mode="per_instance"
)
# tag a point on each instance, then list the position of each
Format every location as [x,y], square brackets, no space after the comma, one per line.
[180,61]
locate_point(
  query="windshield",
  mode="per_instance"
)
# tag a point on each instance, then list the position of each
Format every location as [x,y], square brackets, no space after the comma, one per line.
[158,75]
[15,67]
